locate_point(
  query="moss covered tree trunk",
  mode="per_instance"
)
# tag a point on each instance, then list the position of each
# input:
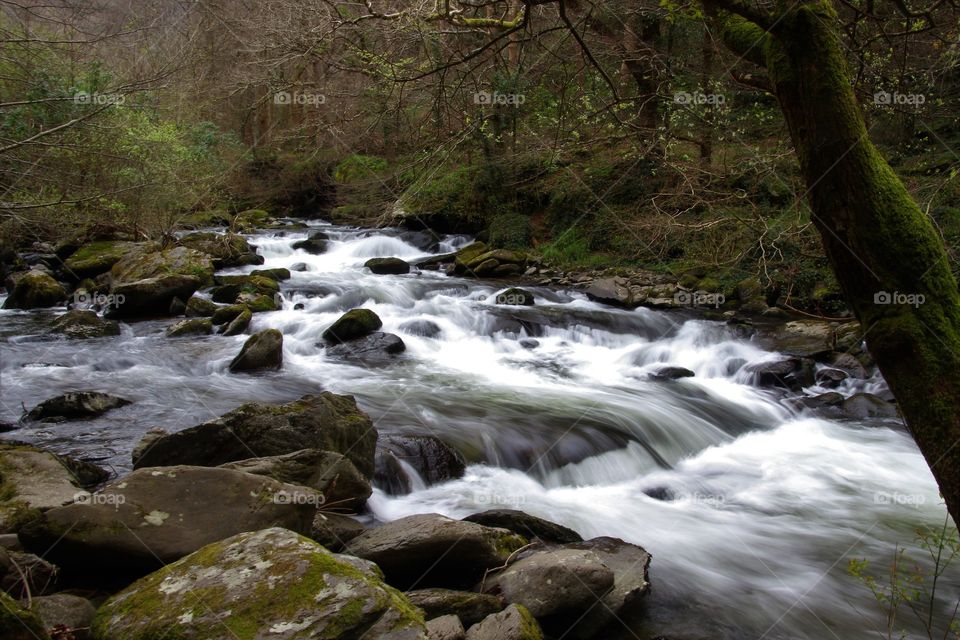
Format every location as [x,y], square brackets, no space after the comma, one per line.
[876,237]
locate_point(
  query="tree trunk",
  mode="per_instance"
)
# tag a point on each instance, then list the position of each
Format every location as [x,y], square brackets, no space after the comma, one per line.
[878,241]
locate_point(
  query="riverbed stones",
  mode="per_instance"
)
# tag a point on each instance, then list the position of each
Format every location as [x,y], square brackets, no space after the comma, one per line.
[239,323]
[527,525]
[276,273]
[470,607]
[269,583]
[97,257]
[831,378]
[788,373]
[262,351]
[478,260]
[65,610]
[198,307]
[146,262]
[671,372]
[332,474]
[565,582]
[514,296]
[334,530]
[866,405]
[33,290]
[422,328]
[32,479]
[151,296]
[513,623]
[446,627]
[432,459]
[431,550]
[612,291]
[76,405]
[226,315]
[80,324]
[315,244]
[387,266]
[356,323]
[190,327]
[154,516]
[324,421]
[374,349]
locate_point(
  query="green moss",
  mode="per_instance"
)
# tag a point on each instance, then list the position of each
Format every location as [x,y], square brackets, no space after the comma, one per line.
[17,623]
[510,231]
[358,167]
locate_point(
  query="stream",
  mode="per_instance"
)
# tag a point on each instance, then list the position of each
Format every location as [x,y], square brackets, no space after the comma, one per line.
[750,509]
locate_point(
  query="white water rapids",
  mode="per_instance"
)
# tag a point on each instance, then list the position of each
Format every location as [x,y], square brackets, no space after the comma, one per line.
[751,511]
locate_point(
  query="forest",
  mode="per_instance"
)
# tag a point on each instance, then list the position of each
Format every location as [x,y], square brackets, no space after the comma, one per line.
[479,319]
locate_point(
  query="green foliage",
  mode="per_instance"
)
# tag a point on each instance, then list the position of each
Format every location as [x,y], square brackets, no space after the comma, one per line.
[510,231]
[571,249]
[911,585]
[356,167]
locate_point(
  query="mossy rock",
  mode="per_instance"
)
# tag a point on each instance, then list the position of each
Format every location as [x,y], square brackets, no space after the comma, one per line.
[226,250]
[258,303]
[278,273]
[198,307]
[354,324]
[387,266]
[190,327]
[226,314]
[252,219]
[95,258]
[16,623]
[78,323]
[34,290]
[299,590]
[239,324]
[154,264]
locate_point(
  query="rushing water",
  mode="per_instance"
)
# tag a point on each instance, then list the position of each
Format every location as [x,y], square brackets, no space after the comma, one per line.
[751,510]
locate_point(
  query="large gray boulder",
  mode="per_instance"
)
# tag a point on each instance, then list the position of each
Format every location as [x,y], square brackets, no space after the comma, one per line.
[76,405]
[324,421]
[431,550]
[526,525]
[376,348]
[332,474]
[469,606]
[354,324]
[155,516]
[612,291]
[264,584]
[387,266]
[151,296]
[64,610]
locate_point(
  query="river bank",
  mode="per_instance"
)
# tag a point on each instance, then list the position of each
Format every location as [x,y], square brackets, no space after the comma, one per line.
[749,453]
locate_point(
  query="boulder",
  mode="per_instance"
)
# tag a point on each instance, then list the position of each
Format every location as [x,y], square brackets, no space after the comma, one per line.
[612,291]
[95,258]
[77,405]
[229,288]
[314,245]
[198,307]
[300,267]
[433,550]
[866,405]
[325,421]
[560,583]
[146,263]
[65,611]
[445,628]
[239,324]
[277,273]
[177,307]
[334,531]
[263,350]
[376,348]
[788,373]
[671,373]
[17,623]
[155,516]
[263,584]
[225,249]
[84,324]
[469,606]
[513,623]
[514,297]
[423,328]
[471,261]
[332,474]
[226,315]
[190,327]
[387,266]
[831,378]
[434,461]
[258,303]
[151,296]
[528,526]
[35,289]
[354,324]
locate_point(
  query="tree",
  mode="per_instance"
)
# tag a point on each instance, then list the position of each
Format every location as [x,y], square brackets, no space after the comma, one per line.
[887,255]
